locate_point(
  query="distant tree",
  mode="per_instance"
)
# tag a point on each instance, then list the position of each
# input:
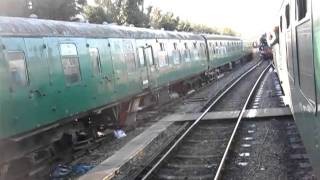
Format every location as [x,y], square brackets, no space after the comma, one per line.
[119,12]
[169,21]
[184,26]
[204,29]
[44,9]
[155,18]
[97,15]
[106,11]
[166,21]
[134,13]
[229,31]
[57,9]
[148,17]
[15,8]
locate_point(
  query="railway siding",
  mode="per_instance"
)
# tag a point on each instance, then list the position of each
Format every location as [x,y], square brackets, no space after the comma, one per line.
[267,144]
[137,155]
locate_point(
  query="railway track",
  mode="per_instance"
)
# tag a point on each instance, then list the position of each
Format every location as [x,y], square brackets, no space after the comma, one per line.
[201,150]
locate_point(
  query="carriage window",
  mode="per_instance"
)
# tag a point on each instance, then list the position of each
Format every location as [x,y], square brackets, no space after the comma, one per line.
[186,53]
[288,15]
[141,56]
[95,61]
[149,55]
[70,63]
[162,56]
[175,46]
[302,9]
[17,68]
[175,54]
[163,59]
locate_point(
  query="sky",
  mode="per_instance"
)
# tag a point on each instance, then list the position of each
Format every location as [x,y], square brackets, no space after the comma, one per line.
[250,18]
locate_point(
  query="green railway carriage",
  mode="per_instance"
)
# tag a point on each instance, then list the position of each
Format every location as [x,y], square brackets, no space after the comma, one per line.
[52,70]
[223,49]
[58,79]
[298,60]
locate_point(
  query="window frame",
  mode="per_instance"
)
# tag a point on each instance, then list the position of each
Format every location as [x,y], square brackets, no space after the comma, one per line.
[70,56]
[26,71]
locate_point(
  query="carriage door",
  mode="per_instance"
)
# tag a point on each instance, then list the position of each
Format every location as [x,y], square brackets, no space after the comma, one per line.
[39,74]
[146,63]
[144,72]
[101,69]
[37,66]
[305,50]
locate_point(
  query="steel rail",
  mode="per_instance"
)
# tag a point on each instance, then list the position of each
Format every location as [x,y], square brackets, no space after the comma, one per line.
[154,167]
[221,164]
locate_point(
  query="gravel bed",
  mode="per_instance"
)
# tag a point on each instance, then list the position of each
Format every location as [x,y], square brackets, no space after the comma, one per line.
[268,148]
